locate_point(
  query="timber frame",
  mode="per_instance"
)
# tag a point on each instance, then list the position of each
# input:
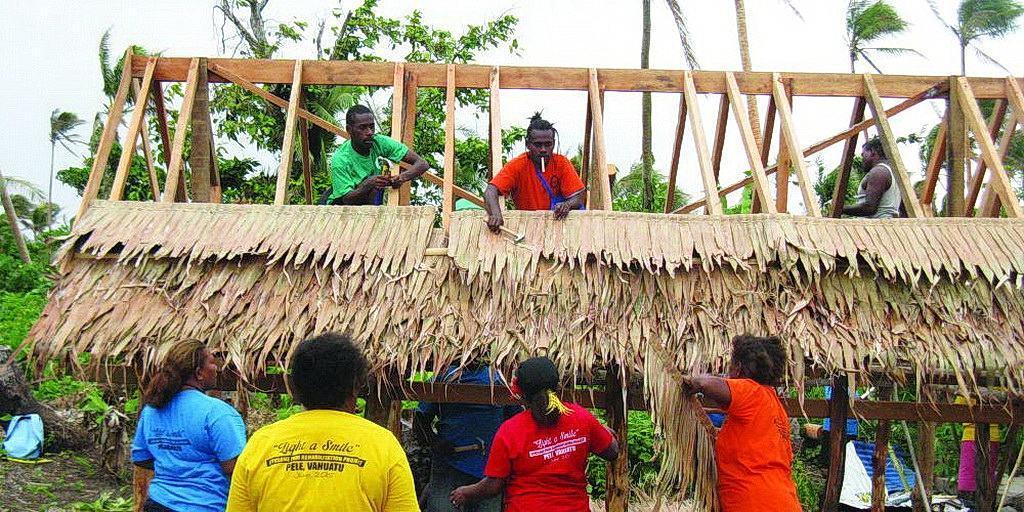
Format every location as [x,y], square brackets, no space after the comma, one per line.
[988,194]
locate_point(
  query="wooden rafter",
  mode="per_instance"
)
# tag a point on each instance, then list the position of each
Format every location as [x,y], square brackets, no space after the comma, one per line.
[782,174]
[165,140]
[938,156]
[700,144]
[677,147]
[447,191]
[147,151]
[174,168]
[131,138]
[910,201]
[99,163]
[494,122]
[978,178]
[588,141]
[765,143]
[288,144]
[307,163]
[1000,180]
[846,165]
[749,143]
[202,157]
[990,203]
[789,140]
[408,130]
[397,99]
[721,127]
[600,188]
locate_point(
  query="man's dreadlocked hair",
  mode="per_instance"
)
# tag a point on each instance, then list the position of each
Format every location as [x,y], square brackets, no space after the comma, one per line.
[759,358]
[539,123]
[875,144]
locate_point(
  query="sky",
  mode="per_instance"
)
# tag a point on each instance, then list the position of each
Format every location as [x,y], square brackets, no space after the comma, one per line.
[48,50]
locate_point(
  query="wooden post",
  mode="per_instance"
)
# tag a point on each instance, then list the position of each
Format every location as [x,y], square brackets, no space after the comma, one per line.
[978,178]
[600,189]
[447,191]
[140,486]
[201,156]
[839,406]
[700,144]
[926,464]
[494,122]
[99,162]
[408,130]
[972,115]
[588,143]
[849,150]
[790,143]
[617,481]
[958,149]
[749,144]
[677,147]
[307,162]
[131,138]
[878,458]
[165,142]
[783,164]
[781,194]
[984,494]
[288,144]
[910,201]
[938,156]
[175,178]
[721,126]
[397,109]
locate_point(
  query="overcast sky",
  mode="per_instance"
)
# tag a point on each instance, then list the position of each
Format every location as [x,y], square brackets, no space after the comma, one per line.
[49,54]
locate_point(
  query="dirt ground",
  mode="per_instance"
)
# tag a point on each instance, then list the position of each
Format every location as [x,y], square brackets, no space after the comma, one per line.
[71,482]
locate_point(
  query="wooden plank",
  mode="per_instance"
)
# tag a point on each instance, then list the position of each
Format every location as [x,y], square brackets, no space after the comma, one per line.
[165,141]
[1013,94]
[588,141]
[617,483]
[839,408]
[200,158]
[749,143]
[935,90]
[677,147]
[280,102]
[307,163]
[457,191]
[397,109]
[990,205]
[173,69]
[124,165]
[288,144]
[978,178]
[147,151]
[99,162]
[765,143]
[700,144]
[792,144]
[910,202]
[974,120]
[846,165]
[880,456]
[408,130]
[494,122]
[174,172]
[447,194]
[600,188]
[721,127]
[935,161]
[783,164]
[959,151]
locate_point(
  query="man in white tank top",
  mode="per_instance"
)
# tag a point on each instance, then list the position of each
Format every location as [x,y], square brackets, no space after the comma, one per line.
[879,195]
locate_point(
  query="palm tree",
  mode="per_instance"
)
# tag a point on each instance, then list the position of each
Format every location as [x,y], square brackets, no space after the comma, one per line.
[61,125]
[12,219]
[981,18]
[867,22]
[646,151]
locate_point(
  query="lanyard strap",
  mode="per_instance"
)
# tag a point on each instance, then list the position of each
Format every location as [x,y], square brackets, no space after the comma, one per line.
[547,188]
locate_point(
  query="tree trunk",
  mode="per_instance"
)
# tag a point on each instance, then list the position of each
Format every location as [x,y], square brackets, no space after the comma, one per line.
[647,154]
[741,32]
[12,219]
[963,59]
[16,398]
[49,189]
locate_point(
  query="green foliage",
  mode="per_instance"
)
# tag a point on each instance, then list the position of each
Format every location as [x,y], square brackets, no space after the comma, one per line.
[107,502]
[825,185]
[987,18]
[867,22]
[809,483]
[643,462]
[628,193]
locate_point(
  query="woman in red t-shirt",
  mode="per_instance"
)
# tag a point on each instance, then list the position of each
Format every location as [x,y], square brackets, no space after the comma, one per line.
[539,456]
[753,451]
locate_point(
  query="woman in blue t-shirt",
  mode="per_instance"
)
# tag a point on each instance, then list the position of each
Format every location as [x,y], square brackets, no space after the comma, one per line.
[190,440]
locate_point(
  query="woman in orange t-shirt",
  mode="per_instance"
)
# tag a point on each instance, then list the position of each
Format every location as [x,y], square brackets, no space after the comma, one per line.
[753,451]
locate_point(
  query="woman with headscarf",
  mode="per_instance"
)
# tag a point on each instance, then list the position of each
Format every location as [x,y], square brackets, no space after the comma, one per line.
[188,439]
[539,456]
[753,451]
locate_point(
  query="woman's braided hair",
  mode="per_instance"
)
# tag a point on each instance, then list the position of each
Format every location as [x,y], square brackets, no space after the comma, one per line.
[759,358]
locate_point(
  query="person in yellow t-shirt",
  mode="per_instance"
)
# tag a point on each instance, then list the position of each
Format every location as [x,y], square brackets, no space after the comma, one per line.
[325,458]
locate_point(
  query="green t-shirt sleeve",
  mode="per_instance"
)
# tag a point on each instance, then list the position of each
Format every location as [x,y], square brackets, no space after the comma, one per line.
[343,176]
[390,148]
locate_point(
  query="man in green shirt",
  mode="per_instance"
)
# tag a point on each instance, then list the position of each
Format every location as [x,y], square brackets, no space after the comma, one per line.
[356,177]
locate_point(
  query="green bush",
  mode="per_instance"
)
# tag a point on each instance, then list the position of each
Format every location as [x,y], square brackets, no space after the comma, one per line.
[18,312]
[643,465]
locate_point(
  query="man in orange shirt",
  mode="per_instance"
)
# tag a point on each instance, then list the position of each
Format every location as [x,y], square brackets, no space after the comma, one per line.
[538,179]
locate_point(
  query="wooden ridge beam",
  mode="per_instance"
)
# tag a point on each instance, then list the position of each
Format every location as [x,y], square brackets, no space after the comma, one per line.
[789,142]
[174,168]
[677,147]
[759,176]
[910,201]
[132,137]
[288,144]
[700,144]
[175,69]
[846,165]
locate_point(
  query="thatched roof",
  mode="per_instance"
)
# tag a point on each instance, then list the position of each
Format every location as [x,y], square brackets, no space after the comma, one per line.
[935,295]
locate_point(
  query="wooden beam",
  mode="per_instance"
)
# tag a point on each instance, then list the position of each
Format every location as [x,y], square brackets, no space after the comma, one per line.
[173,69]
[174,168]
[600,189]
[147,151]
[910,202]
[447,189]
[846,165]
[721,127]
[991,203]
[838,412]
[124,165]
[288,144]
[749,143]
[938,89]
[978,178]
[140,486]
[700,144]
[201,155]
[165,141]
[789,140]
[307,162]
[99,162]
[959,151]
[588,141]
[984,494]
[397,109]
[974,120]
[765,143]
[677,147]
[457,191]
[617,483]
[935,161]
[408,130]
[878,458]
[494,122]
[926,464]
